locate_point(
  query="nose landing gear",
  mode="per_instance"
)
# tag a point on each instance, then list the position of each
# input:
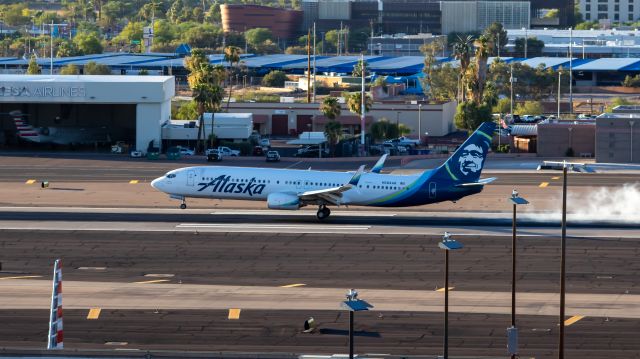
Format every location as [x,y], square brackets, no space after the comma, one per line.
[323,212]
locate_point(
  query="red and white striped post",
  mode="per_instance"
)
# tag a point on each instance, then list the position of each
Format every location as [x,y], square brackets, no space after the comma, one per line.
[54,340]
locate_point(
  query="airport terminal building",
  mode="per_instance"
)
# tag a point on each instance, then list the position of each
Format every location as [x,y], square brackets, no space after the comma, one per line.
[128,108]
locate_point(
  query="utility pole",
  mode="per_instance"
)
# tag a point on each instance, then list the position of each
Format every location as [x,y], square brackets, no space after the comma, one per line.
[51,36]
[308,65]
[363,107]
[559,82]
[314,62]
[571,70]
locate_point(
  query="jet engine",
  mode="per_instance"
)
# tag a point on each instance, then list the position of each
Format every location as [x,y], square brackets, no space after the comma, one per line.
[283,201]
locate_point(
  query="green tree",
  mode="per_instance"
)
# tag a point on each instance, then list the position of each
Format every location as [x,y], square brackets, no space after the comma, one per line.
[88,43]
[529,108]
[274,79]
[357,69]
[534,46]
[143,72]
[498,37]
[67,48]
[208,98]
[257,36]
[187,111]
[94,68]
[354,102]
[14,15]
[330,108]
[631,81]
[618,101]
[384,130]
[444,83]
[503,106]
[70,69]
[470,115]
[430,51]
[163,32]
[201,36]
[479,77]
[403,129]
[131,32]
[33,68]
[333,131]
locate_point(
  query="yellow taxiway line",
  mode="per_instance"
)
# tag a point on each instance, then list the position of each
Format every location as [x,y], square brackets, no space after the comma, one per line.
[31,181]
[543,184]
[573,320]
[293,285]
[234,313]
[22,277]
[442,289]
[152,281]
[94,313]
[133,182]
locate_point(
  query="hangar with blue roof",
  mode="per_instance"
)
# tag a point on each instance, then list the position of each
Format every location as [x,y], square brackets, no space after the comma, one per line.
[603,71]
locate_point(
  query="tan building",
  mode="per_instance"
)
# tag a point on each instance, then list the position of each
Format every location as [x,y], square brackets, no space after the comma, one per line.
[555,139]
[282,119]
[618,138]
[283,23]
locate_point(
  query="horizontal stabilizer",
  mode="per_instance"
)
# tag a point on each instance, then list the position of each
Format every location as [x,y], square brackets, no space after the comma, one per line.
[481,182]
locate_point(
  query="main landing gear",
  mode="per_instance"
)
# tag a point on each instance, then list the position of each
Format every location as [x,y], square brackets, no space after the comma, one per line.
[183,205]
[323,212]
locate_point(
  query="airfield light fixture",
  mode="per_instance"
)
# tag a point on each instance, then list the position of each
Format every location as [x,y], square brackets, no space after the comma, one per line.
[512,332]
[353,304]
[448,244]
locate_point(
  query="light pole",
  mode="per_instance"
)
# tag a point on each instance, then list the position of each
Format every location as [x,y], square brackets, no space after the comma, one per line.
[353,304]
[51,36]
[420,124]
[526,39]
[511,81]
[631,140]
[571,70]
[559,82]
[512,332]
[447,244]
[563,261]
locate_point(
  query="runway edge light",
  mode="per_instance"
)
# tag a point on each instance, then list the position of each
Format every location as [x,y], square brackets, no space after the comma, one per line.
[55,337]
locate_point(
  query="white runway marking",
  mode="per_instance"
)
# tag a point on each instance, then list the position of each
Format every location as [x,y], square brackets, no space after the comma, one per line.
[263,212]
[248,227]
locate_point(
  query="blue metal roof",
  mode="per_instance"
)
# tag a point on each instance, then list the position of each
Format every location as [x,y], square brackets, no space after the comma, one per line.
[547,62]
[608,64]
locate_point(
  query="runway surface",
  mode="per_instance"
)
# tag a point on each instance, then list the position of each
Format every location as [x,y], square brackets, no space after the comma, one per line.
[473,335]
[173,290]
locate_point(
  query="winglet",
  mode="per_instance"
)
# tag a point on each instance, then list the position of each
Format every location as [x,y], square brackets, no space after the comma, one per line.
[378,166]
[356,177]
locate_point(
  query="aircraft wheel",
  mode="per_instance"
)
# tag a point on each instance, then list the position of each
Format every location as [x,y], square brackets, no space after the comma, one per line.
[323,213]
[183,206]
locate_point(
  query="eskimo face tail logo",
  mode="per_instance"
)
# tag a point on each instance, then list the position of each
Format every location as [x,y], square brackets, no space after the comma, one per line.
[471,159]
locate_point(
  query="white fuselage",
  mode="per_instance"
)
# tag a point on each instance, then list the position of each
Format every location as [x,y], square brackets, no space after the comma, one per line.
[257,183]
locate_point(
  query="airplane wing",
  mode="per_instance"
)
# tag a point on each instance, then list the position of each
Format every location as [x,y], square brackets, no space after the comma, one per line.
[378,166]
[332,195]
[481,182]
[574,166]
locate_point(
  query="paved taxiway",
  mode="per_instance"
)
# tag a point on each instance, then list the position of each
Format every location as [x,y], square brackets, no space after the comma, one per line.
[172,290]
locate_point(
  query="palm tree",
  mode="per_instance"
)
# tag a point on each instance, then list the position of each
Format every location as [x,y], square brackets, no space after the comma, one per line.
[462,49]
[483,48]
[231,55]
[354,102]
[330,108]
[333,131]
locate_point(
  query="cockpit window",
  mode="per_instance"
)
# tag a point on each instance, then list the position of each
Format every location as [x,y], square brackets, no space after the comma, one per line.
[171,175]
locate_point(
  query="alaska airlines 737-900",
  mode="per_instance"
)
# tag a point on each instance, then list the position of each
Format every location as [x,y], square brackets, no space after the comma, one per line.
[288,189]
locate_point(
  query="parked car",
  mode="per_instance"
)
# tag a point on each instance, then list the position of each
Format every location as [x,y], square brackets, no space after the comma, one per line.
[258,151]
[273,156]
[184,151]
[404,141]
[226,151]
[312,151]
[136,153]
[528,119]
[394,150]
[213,155]
[265,142]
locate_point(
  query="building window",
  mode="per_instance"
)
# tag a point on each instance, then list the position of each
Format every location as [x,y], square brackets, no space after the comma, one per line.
[616,7]
[588,7]
[630,7]
[616,17]
[602,15]
[587,16]
[602,8]
[630,17]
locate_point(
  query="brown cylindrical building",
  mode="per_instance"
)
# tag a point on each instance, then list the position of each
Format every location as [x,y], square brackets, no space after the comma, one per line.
[283,23]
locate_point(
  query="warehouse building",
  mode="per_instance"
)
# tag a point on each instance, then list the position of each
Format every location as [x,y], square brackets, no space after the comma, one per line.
[130,109]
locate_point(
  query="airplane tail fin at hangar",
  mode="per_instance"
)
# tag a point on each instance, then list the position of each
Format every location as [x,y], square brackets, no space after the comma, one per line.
[25,130]
[465,165]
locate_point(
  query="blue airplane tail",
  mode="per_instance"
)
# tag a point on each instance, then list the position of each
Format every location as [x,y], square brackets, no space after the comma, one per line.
[466,164]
